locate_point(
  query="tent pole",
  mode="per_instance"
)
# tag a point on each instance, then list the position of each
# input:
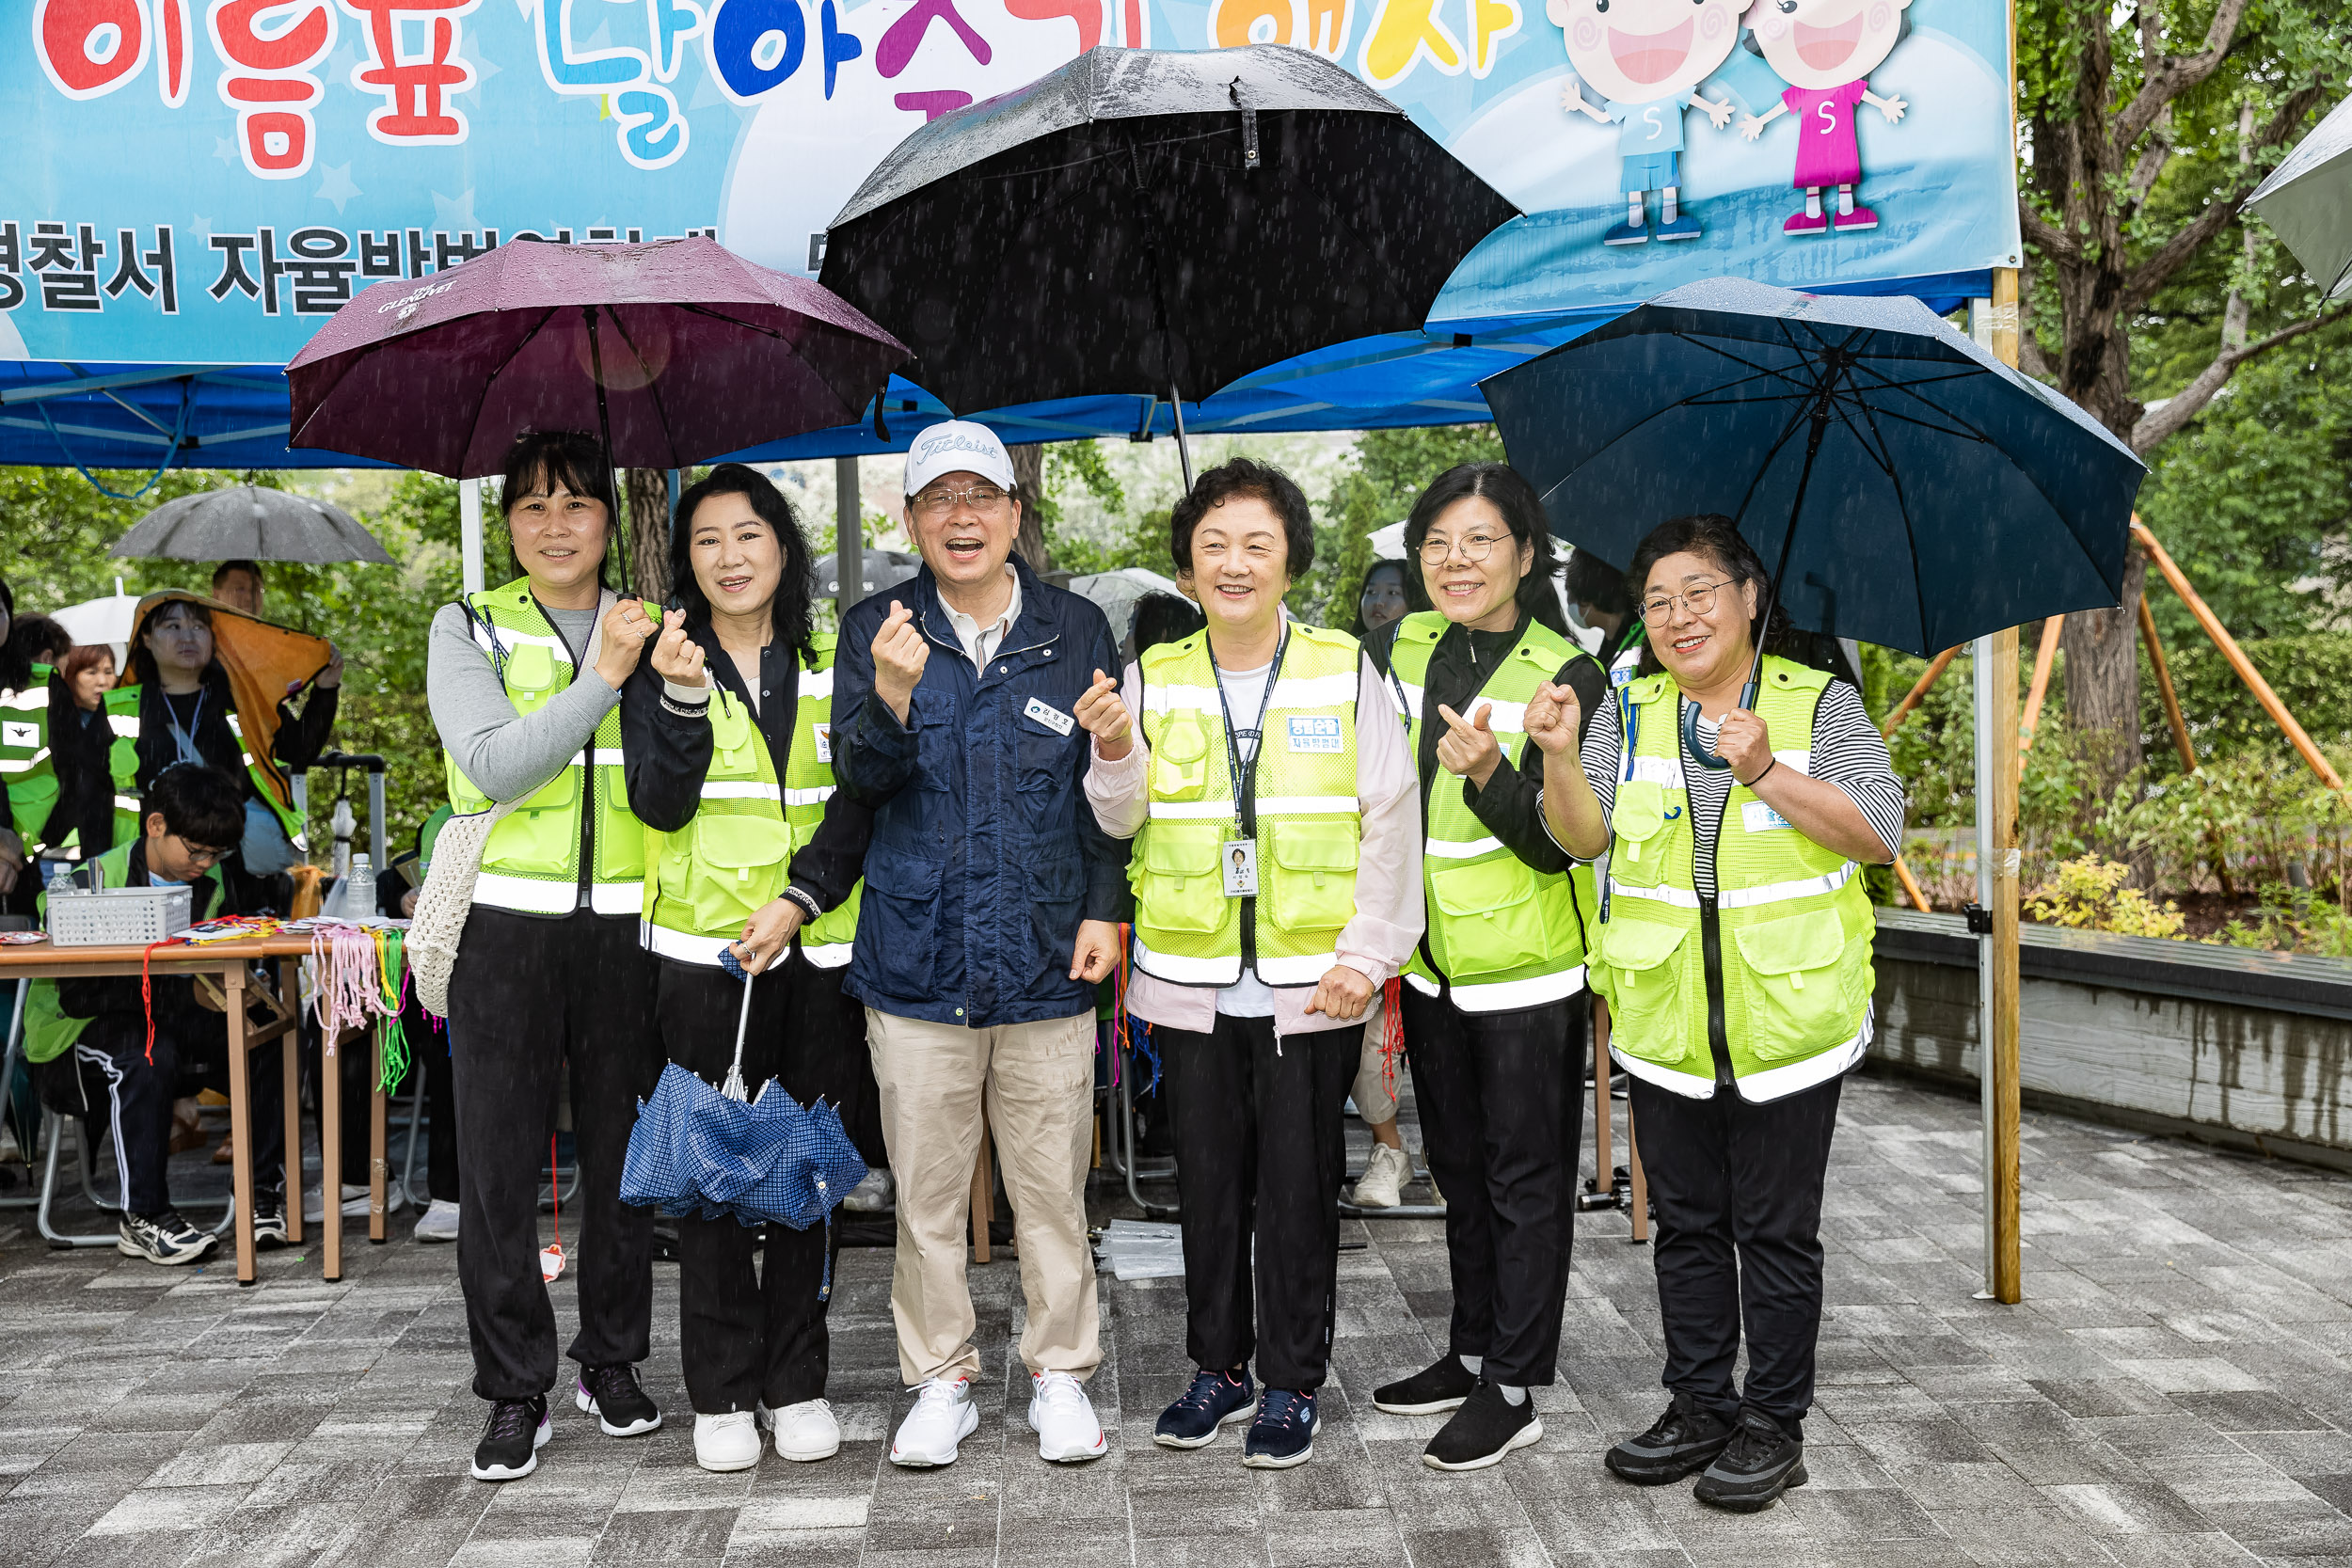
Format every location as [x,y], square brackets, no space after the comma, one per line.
[470,531]
[848,548]
[1183,453]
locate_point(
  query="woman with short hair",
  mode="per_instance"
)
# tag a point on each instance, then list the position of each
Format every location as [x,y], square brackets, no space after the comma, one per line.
[1278,884]
[1738,798]
[79,739]
[524,681]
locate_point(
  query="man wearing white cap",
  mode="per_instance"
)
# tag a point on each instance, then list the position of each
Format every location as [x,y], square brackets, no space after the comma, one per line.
[990,913]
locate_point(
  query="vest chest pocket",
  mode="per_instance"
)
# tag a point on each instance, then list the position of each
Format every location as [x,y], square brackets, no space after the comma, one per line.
[1178,885]
[1797,998]
[531,676]
[540,837]
[1309,880]
[1180,759]
[739,867]
[1640,824]
[1492,920]
[1644,967]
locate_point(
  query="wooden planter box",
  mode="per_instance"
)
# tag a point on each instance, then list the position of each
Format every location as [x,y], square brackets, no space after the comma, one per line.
[2243,1049]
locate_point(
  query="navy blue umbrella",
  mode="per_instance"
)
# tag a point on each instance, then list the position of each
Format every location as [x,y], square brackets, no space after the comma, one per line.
[1906,487]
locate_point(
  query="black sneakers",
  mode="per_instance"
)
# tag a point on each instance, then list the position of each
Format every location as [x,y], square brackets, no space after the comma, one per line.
[1687,1438]
[164,1238]
[1760,1463]
[269,1221]
[512,1438]
[610,1394]
[1486,1427]
[1428,1392]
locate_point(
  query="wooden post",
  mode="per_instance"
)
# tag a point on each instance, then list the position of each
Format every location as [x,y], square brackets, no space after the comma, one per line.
[1995,325]
[849,550]
[2044,657]
[2237,657]
[2181,742]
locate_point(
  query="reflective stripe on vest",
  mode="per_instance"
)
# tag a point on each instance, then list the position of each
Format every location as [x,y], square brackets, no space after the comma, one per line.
[1504,935]
[1309,816]
[27,771]
[531,862]
[1795,925]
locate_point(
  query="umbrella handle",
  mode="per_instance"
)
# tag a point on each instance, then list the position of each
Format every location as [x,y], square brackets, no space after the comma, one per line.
[1700,752]
[735,1088]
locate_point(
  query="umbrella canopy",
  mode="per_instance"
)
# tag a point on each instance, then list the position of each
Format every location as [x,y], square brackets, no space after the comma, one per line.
[2308,201]
[1116,593]
[245,522]
[1906,487]
[106,619]
[675,352]
[1141,220]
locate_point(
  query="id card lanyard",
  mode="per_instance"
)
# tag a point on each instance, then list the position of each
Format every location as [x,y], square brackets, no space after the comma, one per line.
[1246,777]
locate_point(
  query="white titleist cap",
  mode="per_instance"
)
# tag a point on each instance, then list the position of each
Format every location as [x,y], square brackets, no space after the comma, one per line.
[958,445]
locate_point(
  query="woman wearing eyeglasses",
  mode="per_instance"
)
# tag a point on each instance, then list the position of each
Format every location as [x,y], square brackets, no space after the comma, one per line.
[1493,999]
[1735,953]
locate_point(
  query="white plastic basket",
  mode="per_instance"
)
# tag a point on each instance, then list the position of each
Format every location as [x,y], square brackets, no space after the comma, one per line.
[132,915]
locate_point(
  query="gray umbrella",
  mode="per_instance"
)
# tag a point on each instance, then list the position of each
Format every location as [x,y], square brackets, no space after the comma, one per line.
[245,522]
[2308,201]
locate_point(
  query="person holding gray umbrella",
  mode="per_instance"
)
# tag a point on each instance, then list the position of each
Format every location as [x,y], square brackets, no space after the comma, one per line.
[1735,953]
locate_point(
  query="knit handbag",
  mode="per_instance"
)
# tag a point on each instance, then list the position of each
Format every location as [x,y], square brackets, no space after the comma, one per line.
[445,901]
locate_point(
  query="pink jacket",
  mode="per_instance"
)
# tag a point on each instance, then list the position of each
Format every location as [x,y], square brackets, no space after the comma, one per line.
[1389,915]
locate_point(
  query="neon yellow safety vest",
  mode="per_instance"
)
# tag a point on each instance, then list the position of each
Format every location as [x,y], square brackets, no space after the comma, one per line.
[122,760]
[709,878]
[531,864]
[1308,822]
[1507,935]
[26,771]
[1795,923]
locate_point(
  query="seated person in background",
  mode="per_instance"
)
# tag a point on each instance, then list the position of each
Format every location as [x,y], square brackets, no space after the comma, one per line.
[82,824]
[193,816]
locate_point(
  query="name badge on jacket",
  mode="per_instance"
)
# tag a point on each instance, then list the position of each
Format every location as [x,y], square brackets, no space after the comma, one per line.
[1052,717]
[1757,818]
[1314,735]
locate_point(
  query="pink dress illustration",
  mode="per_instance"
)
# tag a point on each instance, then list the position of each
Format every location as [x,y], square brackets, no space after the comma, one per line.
[1828,152]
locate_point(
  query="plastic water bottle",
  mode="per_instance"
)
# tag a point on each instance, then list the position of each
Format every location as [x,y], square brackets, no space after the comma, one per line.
[358,890]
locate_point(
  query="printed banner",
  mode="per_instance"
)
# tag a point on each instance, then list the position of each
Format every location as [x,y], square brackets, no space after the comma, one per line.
[200,182]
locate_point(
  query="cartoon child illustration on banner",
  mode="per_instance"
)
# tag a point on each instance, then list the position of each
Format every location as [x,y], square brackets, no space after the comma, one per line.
[1647,60]
[1826,64]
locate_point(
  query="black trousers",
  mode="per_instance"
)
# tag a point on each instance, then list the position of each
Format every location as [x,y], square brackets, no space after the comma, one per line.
[530,995]
[1261,1151]
[129,1097]
[755,1335]
[1501,1115]
[1737,1188]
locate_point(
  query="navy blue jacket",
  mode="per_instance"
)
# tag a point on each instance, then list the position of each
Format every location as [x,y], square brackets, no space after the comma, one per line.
[985,855]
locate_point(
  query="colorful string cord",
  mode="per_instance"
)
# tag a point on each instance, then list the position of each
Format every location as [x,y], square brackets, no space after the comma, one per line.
[1391,1032]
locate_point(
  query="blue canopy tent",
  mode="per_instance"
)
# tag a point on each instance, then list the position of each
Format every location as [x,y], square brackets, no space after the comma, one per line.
[144,418]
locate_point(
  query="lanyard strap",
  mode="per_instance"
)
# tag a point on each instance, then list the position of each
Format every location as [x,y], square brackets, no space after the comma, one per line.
[184,740]
[1245,779]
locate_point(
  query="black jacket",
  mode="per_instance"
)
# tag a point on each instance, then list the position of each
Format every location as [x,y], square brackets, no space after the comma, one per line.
[1510,805]
[78,744]
[666,753]
[301,736]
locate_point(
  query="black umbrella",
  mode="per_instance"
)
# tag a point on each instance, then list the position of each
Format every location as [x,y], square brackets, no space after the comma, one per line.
[1910,489]
[1144,221]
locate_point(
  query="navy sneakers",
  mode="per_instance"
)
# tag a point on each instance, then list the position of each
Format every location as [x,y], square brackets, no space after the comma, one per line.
[1284,1432]
[1213,1399]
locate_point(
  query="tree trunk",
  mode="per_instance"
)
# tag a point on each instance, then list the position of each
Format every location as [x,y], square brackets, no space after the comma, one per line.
[649,532]
[2102,649]
[1028,479]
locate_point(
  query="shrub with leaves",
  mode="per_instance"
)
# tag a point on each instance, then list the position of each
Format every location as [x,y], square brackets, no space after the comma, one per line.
[2090,894]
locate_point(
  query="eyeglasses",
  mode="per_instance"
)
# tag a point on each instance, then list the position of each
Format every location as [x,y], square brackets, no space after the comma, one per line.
[938,503]
[200,856]
[1698,601]
[1472,547]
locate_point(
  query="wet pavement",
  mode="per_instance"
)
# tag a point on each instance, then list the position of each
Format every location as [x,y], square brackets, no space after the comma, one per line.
[2175,1389]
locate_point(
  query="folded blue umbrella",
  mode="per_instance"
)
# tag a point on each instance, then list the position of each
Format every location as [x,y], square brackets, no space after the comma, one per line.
[711,1153]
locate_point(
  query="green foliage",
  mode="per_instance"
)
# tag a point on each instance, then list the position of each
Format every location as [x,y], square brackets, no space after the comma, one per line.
[1392,467]
[2290,920]
[2089,893]
[2311,675]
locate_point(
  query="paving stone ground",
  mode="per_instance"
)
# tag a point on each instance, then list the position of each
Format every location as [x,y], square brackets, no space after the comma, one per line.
[2173,1390]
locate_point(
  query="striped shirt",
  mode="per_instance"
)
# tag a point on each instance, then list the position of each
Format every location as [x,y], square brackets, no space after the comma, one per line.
[1848,751]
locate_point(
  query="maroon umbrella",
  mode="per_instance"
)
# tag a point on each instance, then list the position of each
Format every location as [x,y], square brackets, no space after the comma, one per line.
[675,352]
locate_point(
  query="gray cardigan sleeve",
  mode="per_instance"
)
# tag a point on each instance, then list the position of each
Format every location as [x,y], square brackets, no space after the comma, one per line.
[506,754]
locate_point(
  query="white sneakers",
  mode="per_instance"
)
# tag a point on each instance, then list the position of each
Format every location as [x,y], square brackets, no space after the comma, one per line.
[438,1223]
[355,1202]
[807,1432]
[1063,1419]
[942,1419]
[727,1442]
[943,1415]
[1382,1185]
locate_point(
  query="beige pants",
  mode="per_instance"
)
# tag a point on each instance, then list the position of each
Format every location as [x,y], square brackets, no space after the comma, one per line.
[1039,1081]
[1374,1102]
